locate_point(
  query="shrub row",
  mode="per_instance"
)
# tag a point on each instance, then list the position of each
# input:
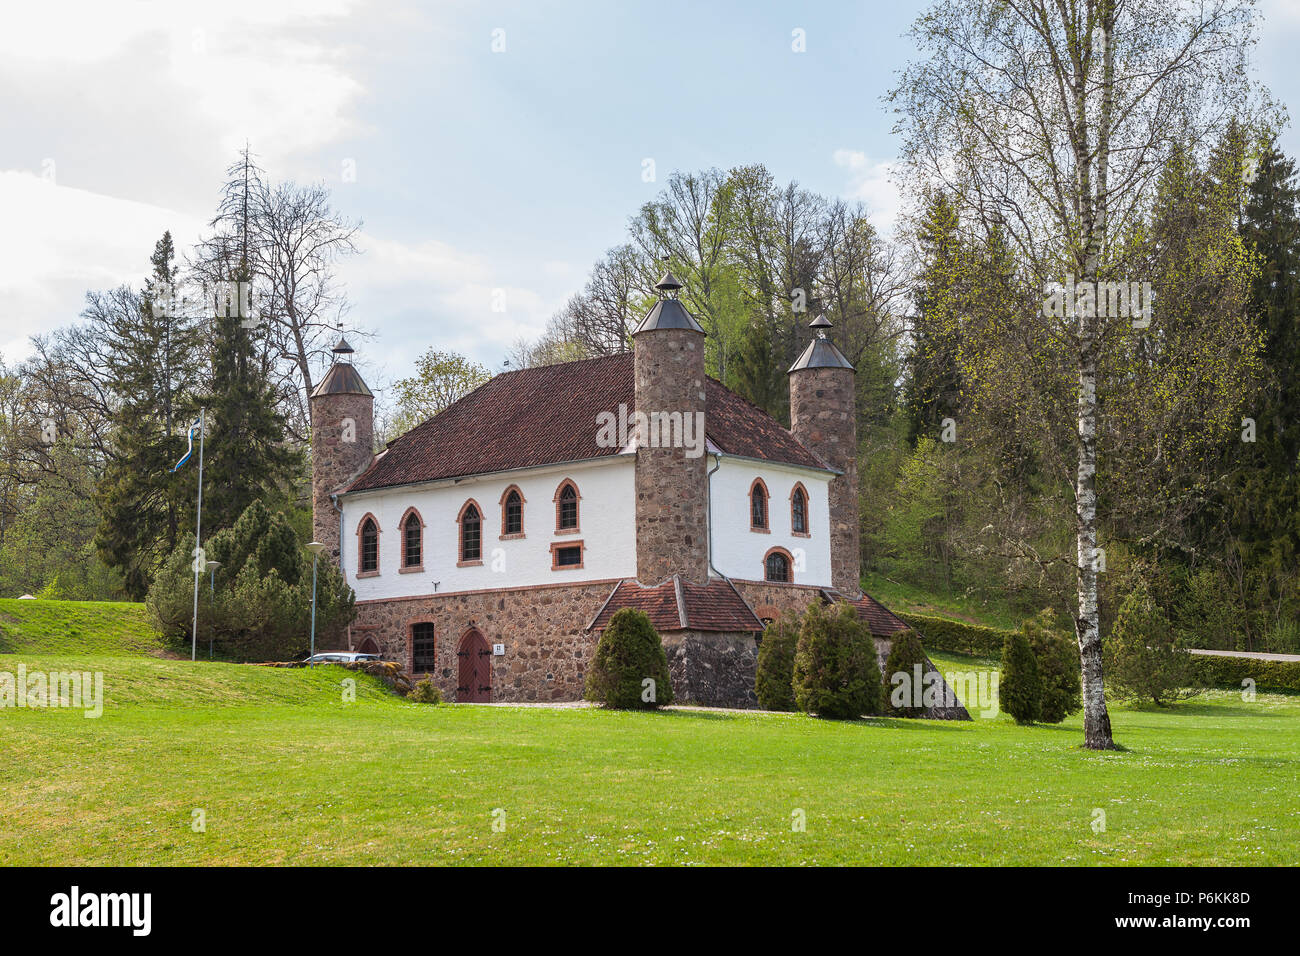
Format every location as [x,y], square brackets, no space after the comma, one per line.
[1216,671]
[941,634]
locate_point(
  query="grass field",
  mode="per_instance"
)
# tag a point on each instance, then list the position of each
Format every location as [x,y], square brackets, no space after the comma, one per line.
[76,627]
[285,771]
[900,596]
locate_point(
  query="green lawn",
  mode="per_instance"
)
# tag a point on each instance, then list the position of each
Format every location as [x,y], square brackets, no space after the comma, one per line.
[76,627]
[900,596]
[286,772]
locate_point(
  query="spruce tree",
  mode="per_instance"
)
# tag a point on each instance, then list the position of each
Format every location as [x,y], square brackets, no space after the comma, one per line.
[248,458]
[1020,690]
[153,367]
[1268,511]
[933,385]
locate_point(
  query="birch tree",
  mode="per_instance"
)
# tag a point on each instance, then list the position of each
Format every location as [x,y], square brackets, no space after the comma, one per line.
[1050,120]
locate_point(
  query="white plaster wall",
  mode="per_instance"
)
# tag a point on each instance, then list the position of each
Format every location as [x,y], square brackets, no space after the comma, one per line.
[738,552]
[606,528]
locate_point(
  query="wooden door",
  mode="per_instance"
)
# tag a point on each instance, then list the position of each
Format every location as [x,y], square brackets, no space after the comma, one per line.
[475,683]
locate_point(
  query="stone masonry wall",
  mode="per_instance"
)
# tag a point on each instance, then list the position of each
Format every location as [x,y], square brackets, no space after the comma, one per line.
[822,417]
[672,518]
[712,668]
[334,460]
[546,648]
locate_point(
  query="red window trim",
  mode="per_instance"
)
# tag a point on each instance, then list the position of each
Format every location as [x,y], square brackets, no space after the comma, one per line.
[522,501]
[403,567]
[807,511]
[582,555]
[789,558]
[577,507]
[460,535]
[369,516]
[767,507]
[410,631]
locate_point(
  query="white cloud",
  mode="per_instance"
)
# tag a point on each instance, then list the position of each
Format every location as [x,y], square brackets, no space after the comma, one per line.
[61,242]
[869,181]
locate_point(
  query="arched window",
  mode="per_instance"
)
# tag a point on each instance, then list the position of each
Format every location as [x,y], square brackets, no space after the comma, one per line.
[799,510]
[412,541]
[758,505]
[566,507]
[471,534]
[777,565]
[368,562]
[512,513]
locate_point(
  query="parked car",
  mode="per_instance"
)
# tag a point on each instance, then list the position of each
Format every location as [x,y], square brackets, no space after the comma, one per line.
[340,657]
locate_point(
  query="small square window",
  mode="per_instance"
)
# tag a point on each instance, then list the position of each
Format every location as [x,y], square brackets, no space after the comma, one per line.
[567,556]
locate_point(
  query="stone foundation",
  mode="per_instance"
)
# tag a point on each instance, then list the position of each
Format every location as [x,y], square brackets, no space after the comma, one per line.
[547,647]
[541,628]
[711,668]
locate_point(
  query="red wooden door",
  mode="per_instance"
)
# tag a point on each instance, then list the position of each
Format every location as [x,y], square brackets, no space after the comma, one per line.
[475,683]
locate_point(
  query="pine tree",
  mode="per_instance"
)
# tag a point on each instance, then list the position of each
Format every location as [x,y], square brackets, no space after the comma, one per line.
[1020,690]
[153,369]
[1271,225]
[933,387]
[248,458]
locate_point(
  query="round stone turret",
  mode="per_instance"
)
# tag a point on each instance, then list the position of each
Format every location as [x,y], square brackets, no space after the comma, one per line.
[672,519]
[823,418]
[342,440]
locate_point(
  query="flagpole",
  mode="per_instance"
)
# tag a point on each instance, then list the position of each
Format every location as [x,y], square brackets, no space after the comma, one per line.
[198,538]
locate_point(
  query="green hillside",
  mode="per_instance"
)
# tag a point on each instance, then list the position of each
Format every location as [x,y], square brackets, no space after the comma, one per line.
[110,628]
[152,682]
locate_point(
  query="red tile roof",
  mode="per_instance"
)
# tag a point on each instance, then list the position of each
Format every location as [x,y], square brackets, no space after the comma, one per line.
[547,415]
[676,605]
[880,619]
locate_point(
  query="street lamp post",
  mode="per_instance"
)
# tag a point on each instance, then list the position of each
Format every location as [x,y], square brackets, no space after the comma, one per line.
[315,548]
[212,602]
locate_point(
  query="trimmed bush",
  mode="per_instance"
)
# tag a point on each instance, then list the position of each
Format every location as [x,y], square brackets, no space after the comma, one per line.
[1058,666]
[1141,657]
[774,681]
[941,634]
[1213,671]
[1020,692]
[836,674]
[630,669]
[902,691]
[425,692]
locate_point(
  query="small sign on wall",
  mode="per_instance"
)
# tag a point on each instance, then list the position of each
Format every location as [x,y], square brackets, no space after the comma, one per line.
[498,650]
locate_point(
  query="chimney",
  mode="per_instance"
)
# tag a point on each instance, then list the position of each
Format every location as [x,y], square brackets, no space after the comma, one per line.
[672,519]
[342,440]
[823,418]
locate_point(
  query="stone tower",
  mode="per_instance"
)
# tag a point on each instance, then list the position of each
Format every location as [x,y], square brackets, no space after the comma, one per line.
[342,440]
[823,418]
[672,498]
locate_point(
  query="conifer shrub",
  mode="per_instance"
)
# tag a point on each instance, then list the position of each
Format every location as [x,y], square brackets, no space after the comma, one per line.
[903,690]
[1142,659]
[425,692]
[774,680]
[1057,657]
[258,608]
[836,674]
[1020,691]
[629,670]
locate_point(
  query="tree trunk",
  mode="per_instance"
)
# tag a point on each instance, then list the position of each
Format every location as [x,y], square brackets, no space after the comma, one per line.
[1087,623]
[1094,209]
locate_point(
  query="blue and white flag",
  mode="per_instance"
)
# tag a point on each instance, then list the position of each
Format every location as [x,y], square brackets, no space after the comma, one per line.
[190,451]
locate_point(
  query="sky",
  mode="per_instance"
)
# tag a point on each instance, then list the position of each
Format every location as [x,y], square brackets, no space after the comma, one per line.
[482,146]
